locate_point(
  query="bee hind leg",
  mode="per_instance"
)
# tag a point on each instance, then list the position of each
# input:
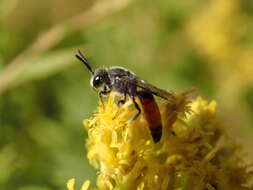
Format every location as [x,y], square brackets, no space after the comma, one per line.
[137,108]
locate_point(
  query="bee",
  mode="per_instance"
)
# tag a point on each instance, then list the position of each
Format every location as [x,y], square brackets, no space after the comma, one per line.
[130,86]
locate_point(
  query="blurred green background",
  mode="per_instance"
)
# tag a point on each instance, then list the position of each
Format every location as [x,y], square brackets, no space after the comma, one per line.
[45,92]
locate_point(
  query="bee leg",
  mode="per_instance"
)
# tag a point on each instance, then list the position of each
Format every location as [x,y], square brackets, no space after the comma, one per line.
[120,103]
[101,94]
[137,108]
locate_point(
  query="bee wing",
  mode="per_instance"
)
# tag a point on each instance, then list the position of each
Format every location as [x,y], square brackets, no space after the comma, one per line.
[156,91]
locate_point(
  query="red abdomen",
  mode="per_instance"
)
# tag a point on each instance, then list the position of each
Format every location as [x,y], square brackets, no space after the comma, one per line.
[151,114]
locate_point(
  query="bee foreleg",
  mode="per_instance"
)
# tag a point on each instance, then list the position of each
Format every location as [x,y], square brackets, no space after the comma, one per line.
[137,108]
[101,94]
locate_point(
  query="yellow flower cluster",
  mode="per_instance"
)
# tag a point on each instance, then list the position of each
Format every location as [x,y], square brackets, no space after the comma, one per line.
[217,32]
[194,153]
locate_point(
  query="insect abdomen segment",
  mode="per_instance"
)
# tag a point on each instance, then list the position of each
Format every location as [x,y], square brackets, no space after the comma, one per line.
[152,114]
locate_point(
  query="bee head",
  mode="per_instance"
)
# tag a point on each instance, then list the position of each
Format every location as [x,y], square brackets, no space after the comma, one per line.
[100,79]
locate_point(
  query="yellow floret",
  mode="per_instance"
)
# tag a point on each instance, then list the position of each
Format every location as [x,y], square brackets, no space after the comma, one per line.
[194,152]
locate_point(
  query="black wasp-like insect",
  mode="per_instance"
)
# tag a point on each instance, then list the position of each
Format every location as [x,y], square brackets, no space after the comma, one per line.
[125,82]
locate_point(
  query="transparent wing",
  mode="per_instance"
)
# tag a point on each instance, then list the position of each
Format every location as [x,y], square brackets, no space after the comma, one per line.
[154,90]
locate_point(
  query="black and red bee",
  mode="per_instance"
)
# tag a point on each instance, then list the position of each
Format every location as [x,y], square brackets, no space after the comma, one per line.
[125,82]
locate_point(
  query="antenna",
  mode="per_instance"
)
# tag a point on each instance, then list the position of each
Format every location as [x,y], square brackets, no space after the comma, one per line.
[81,57]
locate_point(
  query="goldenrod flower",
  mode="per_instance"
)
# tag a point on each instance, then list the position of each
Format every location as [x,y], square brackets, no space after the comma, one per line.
[194,152]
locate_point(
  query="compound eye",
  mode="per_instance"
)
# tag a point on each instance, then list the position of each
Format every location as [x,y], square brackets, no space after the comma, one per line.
[97,81]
